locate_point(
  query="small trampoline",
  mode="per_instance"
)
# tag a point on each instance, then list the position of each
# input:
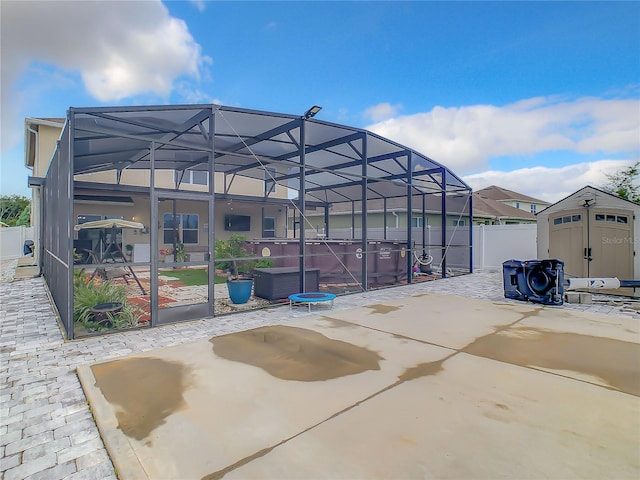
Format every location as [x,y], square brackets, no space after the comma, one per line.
[310,297]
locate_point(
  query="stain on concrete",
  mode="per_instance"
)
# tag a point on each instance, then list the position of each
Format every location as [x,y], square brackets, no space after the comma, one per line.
[614,362]
[331,322]
[382,309]
[293,353]
[145,390]
[421,370]
[516,309]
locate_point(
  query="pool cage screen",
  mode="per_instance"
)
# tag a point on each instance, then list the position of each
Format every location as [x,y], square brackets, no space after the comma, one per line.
[363,211]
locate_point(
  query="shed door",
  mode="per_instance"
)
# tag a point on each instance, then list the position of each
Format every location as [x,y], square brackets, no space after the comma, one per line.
[611,242]
[567,241]
[600,245]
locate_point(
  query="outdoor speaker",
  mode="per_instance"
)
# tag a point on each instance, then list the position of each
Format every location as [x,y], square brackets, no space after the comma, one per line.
[538,281]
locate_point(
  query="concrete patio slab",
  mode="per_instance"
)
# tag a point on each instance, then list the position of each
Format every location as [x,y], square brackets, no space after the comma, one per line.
[429,386]
[474,419]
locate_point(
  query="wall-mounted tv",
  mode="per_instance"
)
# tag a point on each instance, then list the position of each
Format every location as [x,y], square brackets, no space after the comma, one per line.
[237,223]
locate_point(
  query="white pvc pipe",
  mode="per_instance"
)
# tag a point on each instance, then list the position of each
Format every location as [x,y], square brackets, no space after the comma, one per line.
[610,283]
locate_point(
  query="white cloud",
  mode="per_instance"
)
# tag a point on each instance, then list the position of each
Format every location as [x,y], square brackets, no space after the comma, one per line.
[550,184]
[465,138]
[382,111]
[119,49]
[199,4]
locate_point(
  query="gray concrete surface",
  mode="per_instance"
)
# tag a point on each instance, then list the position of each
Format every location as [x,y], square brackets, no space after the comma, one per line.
[46,427]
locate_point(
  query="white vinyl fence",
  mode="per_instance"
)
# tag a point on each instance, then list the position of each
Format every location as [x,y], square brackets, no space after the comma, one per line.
[12,241]
[492,244]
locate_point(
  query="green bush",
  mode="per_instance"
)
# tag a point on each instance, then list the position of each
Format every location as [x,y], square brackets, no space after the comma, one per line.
[263,263]
[234,248]
[87,295]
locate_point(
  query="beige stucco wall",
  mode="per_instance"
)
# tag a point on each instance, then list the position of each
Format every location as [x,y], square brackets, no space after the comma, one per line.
[164,179]
[47,141]
[140,212]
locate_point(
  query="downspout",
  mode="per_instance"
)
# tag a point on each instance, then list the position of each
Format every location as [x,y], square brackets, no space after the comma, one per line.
[393,212]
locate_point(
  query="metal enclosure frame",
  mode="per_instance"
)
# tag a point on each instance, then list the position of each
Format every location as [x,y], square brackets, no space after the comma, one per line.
[330,166]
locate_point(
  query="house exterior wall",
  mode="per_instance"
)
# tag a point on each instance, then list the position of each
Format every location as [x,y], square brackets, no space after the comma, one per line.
[526,206]
[165,179]
[47,139]
[140,212]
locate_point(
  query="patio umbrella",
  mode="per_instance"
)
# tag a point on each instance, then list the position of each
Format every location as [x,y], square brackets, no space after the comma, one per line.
[109,223]
[100,256]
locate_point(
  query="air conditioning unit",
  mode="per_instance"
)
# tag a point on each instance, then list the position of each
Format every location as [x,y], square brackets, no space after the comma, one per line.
[538,281]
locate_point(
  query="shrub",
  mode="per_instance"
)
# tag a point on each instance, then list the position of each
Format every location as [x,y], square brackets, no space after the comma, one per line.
[87,295]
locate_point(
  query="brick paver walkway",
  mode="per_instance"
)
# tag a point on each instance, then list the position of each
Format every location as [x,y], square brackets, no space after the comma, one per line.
[46,427]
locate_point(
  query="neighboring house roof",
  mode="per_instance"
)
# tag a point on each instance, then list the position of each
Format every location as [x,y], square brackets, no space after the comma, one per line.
[501,194]
[488,207]
[31,125]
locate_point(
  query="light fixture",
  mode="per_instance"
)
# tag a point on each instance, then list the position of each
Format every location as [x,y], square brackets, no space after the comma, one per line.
[312,111]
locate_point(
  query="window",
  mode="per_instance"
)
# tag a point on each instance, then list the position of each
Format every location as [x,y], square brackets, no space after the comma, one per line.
[189,228]
[269,180]
[459,223]
[600,217]
[534,208]
[517,204]
[193,177]
[568,219]
[184,224]
[269,227]
[416,222]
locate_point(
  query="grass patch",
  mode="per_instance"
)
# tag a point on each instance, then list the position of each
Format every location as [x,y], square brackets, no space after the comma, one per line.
[193,276]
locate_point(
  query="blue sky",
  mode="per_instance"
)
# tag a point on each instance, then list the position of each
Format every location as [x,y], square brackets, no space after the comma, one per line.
[538,97]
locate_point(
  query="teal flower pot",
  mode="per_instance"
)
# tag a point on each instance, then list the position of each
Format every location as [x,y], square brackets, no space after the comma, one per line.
[240,290]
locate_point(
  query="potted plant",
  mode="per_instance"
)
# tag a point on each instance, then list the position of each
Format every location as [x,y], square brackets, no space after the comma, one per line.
[164,253]
[181,255]
[129,249]
[232,250]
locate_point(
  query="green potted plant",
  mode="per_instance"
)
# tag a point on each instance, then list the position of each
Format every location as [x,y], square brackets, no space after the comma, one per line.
[129,249]
[232,251]
[181,255]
